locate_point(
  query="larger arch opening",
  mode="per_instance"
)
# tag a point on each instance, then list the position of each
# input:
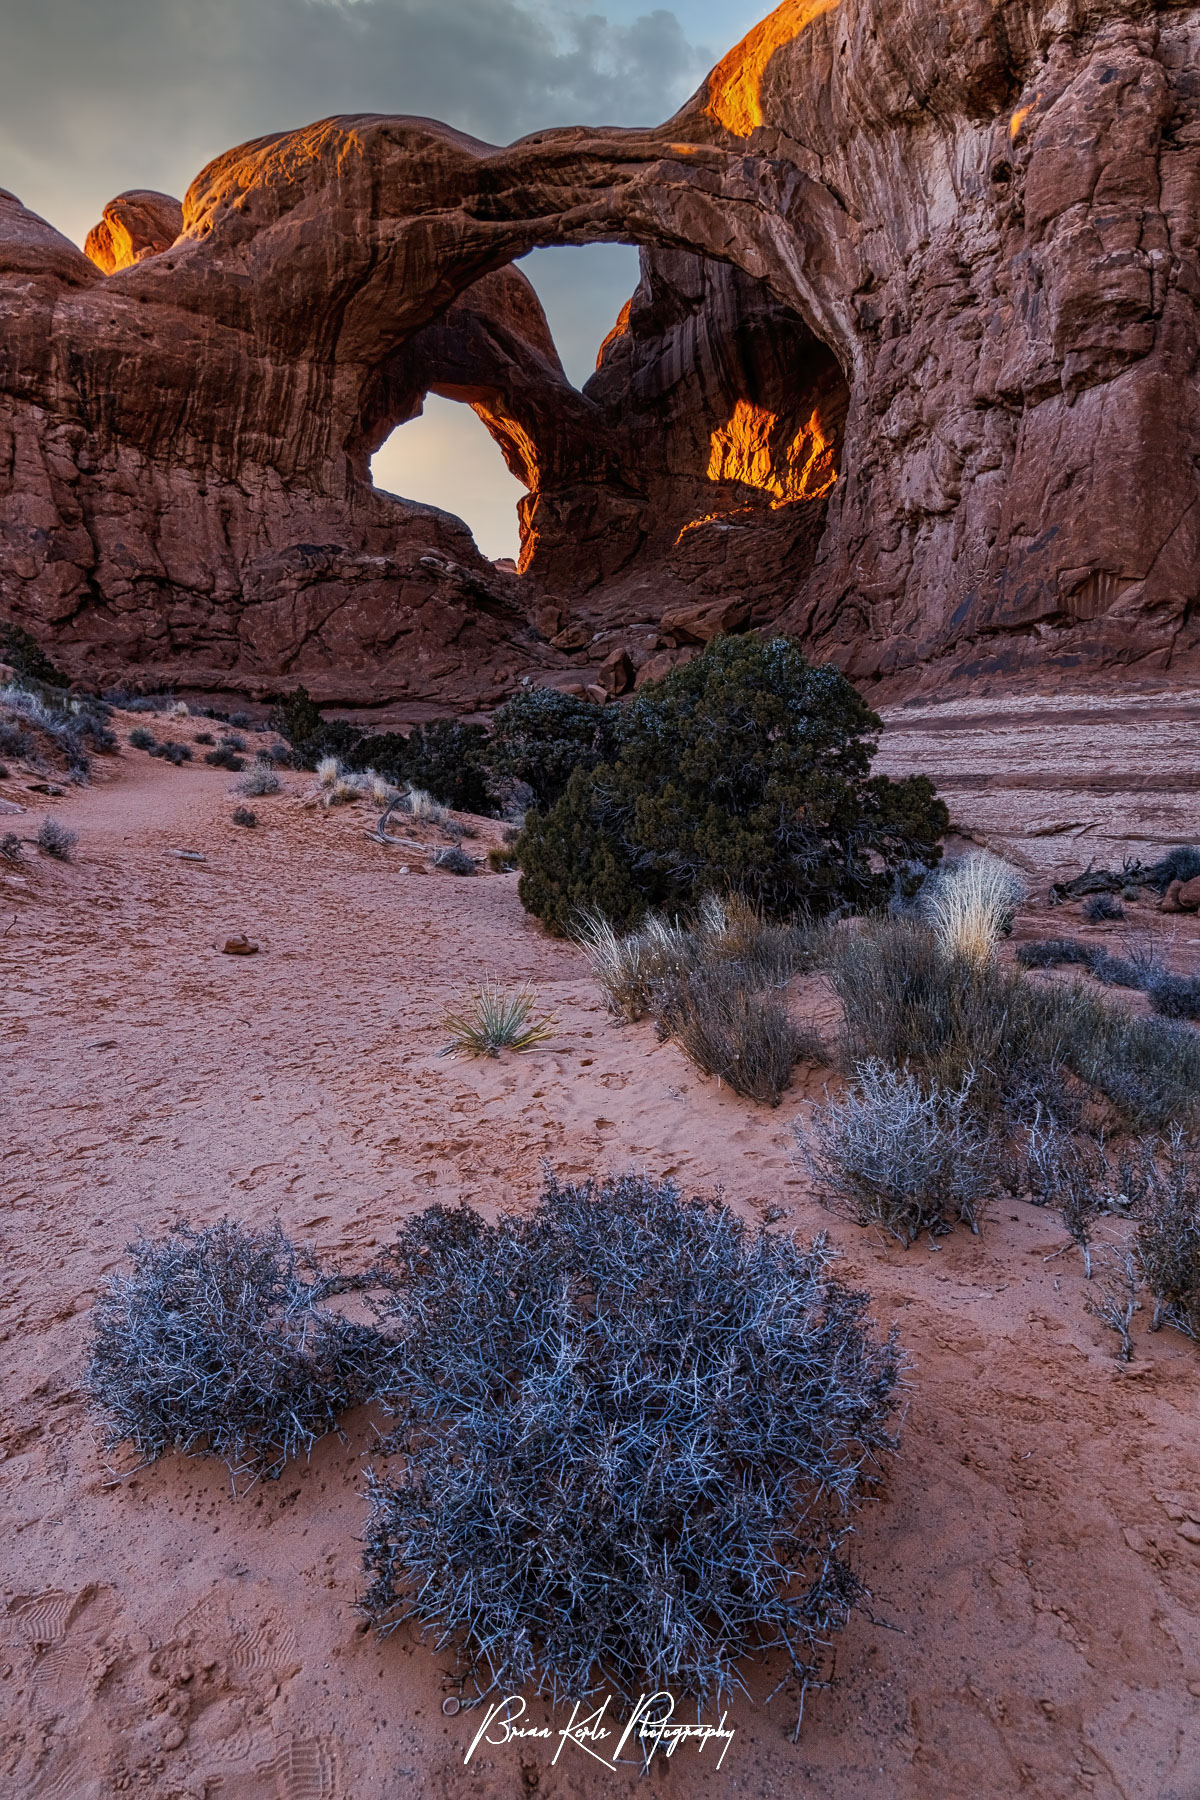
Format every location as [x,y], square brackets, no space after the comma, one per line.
[699,453]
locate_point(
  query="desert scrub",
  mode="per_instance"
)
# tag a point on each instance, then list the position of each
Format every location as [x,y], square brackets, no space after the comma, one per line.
[215,1342]
[1175,996]
[493,1019]
[73,727]
[224,758]
[895,1153]
[13,740]
[1099,909]
[1024,1044]
[10,847]
[257,783]
[454,860]
[56,840]
[1167,1236]
[244,815]
[141,739]
[729,1026]
[629,967]
[746,771]
[173,751]
[630,1437]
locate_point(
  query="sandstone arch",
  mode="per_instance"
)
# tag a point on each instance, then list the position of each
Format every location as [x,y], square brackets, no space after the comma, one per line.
[981,215]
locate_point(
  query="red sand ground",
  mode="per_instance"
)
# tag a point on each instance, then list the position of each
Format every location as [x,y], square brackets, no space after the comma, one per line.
[1033,1556]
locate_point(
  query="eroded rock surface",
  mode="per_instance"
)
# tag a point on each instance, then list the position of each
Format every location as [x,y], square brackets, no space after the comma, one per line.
[910,370]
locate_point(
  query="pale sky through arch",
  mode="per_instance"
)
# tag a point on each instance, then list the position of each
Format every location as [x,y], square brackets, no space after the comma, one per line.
[97,96]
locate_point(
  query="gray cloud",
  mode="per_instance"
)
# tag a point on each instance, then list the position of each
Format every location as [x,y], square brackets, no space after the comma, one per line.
[101,95]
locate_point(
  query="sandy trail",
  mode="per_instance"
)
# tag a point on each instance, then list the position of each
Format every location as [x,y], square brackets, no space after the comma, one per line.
[1032,1558]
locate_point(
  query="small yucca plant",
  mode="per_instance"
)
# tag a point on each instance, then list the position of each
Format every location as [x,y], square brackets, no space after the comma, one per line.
[493,1020]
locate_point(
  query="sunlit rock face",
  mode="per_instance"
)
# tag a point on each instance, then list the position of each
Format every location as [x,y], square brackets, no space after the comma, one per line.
[910,370]
[137,224]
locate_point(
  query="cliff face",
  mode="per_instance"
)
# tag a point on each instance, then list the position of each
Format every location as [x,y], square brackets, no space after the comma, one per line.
[911,370]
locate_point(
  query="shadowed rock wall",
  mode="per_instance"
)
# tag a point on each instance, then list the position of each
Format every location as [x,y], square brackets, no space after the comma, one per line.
[910,370]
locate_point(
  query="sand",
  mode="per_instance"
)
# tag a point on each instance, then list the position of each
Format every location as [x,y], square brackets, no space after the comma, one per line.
[1032,1554]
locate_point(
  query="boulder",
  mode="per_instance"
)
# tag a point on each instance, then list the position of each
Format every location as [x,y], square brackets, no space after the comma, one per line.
[616,672]
[700,624]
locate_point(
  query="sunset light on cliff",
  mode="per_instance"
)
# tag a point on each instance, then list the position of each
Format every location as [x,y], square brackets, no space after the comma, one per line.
[741,451]
[735,85]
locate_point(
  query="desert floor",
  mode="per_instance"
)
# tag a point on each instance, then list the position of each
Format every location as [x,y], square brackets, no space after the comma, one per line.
[1034,1555]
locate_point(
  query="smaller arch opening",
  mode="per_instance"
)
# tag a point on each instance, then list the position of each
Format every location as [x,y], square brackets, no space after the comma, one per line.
[446,457]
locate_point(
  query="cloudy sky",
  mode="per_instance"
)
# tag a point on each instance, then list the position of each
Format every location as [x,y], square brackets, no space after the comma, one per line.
[101,95]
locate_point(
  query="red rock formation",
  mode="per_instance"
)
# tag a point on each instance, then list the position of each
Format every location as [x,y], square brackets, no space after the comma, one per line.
[137,224]
[945,252]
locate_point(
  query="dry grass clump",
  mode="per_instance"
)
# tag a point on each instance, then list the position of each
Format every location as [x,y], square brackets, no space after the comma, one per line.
[971,903]
[215,1342]
[708,985]
[56,840]
[338,786]
[629,967]
[731,1028]
[912,1005]
[420,805]
[894,1153]
[630,1433]
[257,784]
[1167,1237]
[494,1019]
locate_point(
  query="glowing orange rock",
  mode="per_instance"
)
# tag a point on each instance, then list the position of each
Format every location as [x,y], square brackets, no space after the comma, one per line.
[741,451]
[734,91]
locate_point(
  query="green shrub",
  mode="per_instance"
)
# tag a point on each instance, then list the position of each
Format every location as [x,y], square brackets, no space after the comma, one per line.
[570,865]
[446,757]
[541,737]
[745,772]
[27,659]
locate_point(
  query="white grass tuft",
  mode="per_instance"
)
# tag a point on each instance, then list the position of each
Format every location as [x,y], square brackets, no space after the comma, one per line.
[971,903]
